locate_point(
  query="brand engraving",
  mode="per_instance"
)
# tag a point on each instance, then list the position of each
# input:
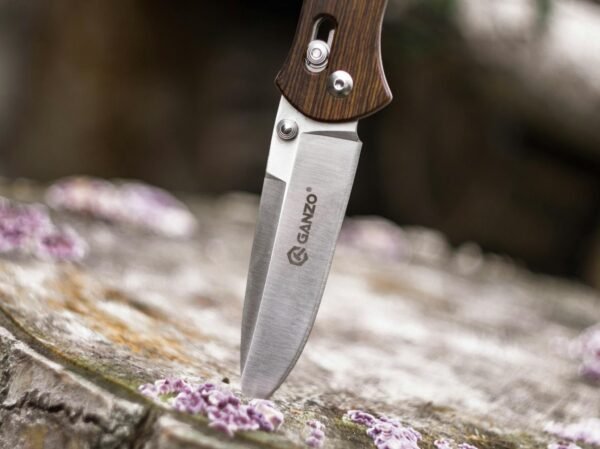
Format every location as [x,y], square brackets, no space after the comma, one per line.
[298,255]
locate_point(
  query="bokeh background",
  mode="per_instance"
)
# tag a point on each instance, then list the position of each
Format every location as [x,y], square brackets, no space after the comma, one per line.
[493,137]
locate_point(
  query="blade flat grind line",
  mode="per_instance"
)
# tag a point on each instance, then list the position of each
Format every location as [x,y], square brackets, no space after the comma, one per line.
[266,226]
[320,176]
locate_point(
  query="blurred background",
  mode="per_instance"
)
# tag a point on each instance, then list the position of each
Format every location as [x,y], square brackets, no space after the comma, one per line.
[493,137]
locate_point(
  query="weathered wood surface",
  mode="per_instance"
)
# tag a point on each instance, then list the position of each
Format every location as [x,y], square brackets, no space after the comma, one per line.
[453,344]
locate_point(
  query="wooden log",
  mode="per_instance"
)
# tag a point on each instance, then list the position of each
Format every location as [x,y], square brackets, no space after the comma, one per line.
[453,344]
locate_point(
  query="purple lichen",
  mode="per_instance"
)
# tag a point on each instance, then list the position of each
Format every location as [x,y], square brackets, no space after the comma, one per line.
[444,443]
[375,236]
[360,417]
[563,445]
[466,446]
[316,434]
[60,245]
[386,432]
[587,349]
[156,210]
[132,203]
[268,415]
[224,410]
[19,223]
[27,229]
[586,431]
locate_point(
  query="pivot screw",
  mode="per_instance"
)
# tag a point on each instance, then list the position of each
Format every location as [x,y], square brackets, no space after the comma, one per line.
[340,84]
[287,129]
[317,56]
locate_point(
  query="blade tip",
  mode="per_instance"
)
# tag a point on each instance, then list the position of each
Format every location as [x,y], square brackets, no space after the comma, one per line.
[256,389]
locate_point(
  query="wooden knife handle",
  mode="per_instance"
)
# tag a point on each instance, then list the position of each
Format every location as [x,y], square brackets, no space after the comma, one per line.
[355,49]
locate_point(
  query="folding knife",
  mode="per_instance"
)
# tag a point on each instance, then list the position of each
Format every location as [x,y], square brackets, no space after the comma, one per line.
[333,76]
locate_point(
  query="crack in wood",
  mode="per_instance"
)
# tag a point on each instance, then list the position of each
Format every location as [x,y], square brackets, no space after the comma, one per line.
[36,400]
[144,430]
[5,348]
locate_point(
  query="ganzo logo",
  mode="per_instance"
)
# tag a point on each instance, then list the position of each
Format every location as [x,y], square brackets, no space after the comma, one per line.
[297,255]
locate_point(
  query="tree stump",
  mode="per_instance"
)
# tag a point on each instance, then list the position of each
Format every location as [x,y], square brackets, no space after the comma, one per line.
[455,344]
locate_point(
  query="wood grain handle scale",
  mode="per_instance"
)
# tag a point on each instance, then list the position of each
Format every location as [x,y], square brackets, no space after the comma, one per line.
[355,49]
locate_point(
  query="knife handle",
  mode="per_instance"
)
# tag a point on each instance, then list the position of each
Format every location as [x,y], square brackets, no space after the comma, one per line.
[352,28]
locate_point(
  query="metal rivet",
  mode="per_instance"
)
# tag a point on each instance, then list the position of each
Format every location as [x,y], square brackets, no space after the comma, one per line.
[317,56]
[340,84]
[287,129]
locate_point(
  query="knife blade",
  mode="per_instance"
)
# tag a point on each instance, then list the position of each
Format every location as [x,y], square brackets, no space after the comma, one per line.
[310,171]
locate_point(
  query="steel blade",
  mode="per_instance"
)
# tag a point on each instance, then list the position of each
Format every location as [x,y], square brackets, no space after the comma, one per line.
[284,293]
[266,226]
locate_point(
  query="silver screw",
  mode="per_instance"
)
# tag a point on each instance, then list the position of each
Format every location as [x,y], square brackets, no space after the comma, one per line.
[287,129]
[340,84]
[317,56]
